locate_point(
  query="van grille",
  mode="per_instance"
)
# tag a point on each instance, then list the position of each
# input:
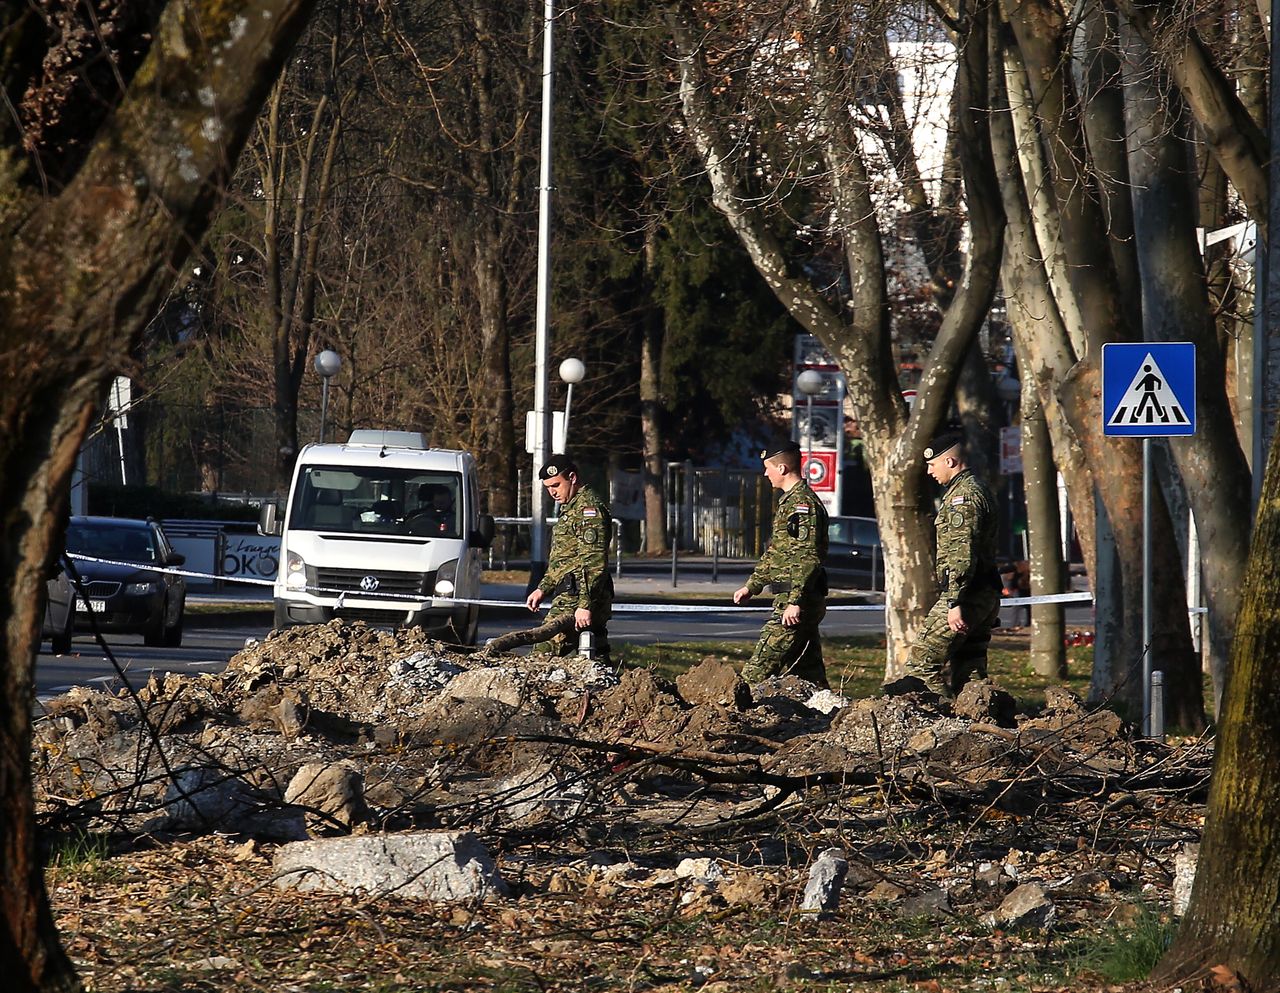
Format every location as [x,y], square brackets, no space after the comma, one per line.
[348,581]
[374,618]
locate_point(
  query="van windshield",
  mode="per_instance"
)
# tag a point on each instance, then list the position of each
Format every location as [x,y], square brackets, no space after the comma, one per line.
[377,500]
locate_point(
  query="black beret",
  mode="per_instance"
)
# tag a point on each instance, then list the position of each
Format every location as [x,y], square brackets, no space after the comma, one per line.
[780,448]
[557,466]
[942,443]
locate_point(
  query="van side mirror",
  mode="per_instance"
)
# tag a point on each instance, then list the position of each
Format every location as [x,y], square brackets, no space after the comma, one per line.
[482,536]
[269,522]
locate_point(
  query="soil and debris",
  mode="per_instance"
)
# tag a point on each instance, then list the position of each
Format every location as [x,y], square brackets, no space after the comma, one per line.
[630,832]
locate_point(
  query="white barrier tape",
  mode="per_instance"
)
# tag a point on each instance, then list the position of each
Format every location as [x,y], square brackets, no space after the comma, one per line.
[1022,601]
[171,572]
[636,608]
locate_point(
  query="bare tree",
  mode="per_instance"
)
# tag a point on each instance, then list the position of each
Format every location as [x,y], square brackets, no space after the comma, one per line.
[747,80]
[100,204]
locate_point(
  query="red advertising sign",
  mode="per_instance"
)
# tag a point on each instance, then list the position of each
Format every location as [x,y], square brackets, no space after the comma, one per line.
[820,470]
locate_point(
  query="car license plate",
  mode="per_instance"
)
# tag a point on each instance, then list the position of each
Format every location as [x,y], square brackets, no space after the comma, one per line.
[97,606]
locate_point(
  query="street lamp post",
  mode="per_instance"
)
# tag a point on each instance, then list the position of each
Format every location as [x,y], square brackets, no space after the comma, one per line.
[810,383]
[541,413]
[327,364]
[571,371]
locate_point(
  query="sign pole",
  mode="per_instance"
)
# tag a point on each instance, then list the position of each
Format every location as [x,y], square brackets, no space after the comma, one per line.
[1148,391]
[1146,587]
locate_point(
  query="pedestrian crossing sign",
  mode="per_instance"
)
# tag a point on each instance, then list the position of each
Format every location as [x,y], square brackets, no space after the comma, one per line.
[1149,389]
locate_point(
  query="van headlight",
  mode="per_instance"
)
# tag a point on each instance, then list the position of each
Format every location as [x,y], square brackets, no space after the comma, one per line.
[295,572]
[445,578]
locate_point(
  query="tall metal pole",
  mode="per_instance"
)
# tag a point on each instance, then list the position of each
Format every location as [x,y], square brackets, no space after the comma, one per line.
[541,410]
[324,405]
[1146,586]
[808,430]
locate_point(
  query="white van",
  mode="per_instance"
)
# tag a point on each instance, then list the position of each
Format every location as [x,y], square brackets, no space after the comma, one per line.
[378,530]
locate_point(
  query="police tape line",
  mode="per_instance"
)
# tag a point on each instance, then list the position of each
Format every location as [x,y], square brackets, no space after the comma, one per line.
[631,608]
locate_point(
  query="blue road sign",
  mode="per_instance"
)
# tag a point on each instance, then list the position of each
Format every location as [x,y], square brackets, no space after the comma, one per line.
[1149,389]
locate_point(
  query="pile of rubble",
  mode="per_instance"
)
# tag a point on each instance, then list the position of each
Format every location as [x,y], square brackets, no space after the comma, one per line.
[386,764]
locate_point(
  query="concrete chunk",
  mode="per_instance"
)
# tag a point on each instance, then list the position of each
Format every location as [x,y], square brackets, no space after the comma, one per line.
[443,866]
[826,876]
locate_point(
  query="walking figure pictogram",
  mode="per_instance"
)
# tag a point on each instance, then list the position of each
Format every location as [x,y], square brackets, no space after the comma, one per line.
[1149,384]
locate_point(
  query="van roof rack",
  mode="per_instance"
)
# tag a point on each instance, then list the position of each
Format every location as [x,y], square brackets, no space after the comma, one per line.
[375,438]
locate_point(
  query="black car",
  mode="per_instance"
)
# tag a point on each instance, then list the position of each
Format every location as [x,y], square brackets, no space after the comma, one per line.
[126,592]
[854,558]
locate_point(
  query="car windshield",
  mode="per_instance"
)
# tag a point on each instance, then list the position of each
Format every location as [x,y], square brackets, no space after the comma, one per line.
[377,500]
[121,542]
[854,530]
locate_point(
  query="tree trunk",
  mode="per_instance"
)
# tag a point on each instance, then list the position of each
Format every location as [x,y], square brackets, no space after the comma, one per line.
[1092,291]
[1237,141]
[1044,535]
[36,469]
[1176,308]
[1234,916]
[499,454]
[655,510]
[84,270]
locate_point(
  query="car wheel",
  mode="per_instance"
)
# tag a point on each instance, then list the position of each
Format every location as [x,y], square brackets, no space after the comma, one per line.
[473,627]
[60,641]
[173,635]
[281,617]
[153,634]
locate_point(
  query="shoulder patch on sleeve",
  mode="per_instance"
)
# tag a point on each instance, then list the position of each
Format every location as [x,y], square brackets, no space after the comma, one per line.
[590,512]
[956,500]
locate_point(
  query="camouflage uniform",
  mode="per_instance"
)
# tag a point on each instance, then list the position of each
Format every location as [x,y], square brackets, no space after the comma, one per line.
[967,577]
[792,566]
[578,571]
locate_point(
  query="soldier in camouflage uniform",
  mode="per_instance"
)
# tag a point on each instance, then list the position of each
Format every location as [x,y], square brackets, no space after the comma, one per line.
[951,647]
[792,566]
[577,576]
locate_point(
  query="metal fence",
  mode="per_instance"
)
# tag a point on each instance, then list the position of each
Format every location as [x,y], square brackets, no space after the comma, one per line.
[726,511]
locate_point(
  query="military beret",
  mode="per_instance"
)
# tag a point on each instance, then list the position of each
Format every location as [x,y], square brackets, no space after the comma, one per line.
[556,467]
[781,448]
[942,443]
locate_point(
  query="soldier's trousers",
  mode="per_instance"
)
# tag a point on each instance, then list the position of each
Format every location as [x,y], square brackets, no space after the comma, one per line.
[567,643]
[944,659]
[789,650]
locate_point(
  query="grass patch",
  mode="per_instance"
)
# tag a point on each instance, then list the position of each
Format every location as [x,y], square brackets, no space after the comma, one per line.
[83,855]
[855,664]
[1127,951]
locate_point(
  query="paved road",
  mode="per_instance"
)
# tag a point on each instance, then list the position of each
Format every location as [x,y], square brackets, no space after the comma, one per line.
[207,645]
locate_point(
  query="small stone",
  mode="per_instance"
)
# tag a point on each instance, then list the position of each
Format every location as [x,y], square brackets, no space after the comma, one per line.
[886,892]
[933,904]
[825,701]
[1027,908]
[826,877]
[333,793]
[706,869]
